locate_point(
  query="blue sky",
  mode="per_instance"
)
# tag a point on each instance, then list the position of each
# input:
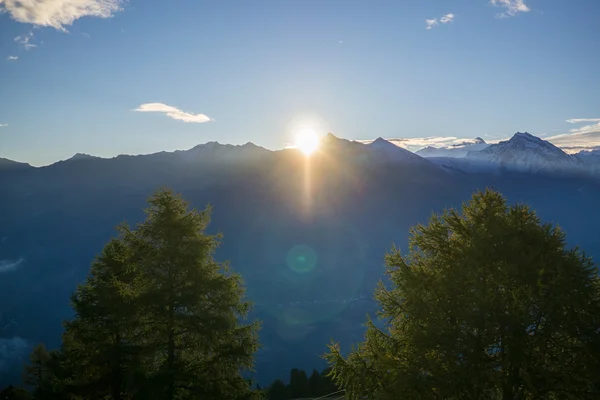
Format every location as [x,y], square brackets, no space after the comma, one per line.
[242,71]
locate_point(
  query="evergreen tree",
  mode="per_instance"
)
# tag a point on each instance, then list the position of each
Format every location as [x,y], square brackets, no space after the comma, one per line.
[102,343]
[488,304]
[327,383]
[197,346]
[36,374]
[277,391]
[299,386]
[315,382]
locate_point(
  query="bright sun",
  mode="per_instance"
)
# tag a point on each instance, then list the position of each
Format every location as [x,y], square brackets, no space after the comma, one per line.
[307,141]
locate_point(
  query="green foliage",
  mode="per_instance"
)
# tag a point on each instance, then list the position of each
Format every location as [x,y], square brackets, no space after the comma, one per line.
[157,317]
[488,304]
[36,374]
[103,342]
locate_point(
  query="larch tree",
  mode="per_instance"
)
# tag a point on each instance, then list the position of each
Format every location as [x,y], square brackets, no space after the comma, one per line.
[36,374]
[198,345]
[102,343]
[489,303]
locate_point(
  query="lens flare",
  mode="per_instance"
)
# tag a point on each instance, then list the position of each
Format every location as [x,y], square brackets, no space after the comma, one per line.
[301,259]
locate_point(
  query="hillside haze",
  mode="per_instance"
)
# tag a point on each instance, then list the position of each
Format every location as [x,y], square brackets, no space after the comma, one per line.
[307,234]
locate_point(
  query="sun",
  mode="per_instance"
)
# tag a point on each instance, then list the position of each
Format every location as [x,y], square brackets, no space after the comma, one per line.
[307,141]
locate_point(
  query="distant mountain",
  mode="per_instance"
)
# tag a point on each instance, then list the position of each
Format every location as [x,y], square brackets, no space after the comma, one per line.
[223,152]
[345,205]
[82,156]
[455,150]
[10,165]
[385,150]
[526,153]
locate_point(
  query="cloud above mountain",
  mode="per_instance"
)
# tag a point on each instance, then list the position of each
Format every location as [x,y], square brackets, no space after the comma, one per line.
[58,13]
[585,137]
[173,112]
[417,143]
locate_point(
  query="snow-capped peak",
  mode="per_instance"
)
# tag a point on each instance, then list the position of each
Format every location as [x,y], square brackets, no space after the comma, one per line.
[456,150]
[388,151]
[525,152]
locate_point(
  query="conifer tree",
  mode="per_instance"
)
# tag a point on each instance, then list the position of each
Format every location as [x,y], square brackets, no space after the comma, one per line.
[102,342]
[489,303]
[36,374]
[197,345]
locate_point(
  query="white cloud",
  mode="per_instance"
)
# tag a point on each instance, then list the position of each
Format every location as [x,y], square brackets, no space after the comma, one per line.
[3,125]
[430,23]
[8,265]
[585,137]
[447,18]
[512,7]
[25,40]
[414,144]
[58,13]
[173,112]
[580,120]
[12,58]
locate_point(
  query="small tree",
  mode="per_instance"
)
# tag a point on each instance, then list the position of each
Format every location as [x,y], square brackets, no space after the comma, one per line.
[315,382]
[197,345]
[488,304]
[277,391]
[36,374]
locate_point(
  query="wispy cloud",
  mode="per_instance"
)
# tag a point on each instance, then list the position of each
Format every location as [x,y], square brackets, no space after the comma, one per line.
[3,125]
[58,13]
[430,23]
[25,40]
[414,144]
[580,120]
[511,7]
[173,112]
[447,18]
[585,137]
[8,265]
[12,58]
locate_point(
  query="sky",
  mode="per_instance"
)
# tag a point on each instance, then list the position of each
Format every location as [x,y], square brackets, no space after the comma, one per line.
[109,77]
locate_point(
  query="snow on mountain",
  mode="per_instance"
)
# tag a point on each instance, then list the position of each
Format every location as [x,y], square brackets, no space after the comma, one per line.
[527,153]
[454,150]
[384,150]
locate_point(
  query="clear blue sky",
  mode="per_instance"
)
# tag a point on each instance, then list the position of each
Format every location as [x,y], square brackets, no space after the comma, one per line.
[360,69]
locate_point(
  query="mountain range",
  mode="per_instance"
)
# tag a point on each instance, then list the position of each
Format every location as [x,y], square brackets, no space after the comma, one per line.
[523,152]
[343,207]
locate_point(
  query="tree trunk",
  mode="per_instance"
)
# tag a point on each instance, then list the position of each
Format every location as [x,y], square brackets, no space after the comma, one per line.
[116,370]
[171,356]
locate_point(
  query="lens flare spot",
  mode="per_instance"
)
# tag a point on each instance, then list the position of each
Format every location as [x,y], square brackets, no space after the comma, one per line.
[301,259]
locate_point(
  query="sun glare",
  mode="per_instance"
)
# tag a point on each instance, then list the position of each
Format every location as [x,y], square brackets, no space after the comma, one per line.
[307,141]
